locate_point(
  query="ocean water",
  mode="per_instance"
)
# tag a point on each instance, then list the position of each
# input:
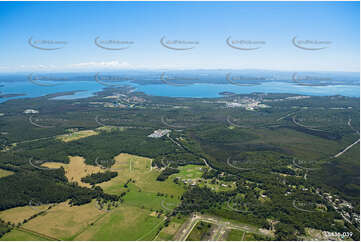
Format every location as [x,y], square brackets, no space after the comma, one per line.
[213,90]
[86,89]
[89,88]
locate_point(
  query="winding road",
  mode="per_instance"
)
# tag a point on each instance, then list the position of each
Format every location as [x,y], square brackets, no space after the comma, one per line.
[184,148]
[38,125]
[304,126]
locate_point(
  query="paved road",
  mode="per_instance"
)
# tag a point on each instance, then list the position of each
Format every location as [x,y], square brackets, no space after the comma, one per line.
[162,119]
[175,142]
[184,148]
[344,150]
[38,125]
[286,116]
[205,162]
[186,228]
[217,233]
[347,148]
[350,146]
[222,226]
[349,124]
[25,141]
[235,167]
[233,124]
[304,126]
[152,230]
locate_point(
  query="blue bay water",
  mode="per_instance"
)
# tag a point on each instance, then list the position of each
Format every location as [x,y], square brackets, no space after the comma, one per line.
[89,89]
[213,90]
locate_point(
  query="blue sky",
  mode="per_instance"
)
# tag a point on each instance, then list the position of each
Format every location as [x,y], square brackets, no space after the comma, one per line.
[272,24]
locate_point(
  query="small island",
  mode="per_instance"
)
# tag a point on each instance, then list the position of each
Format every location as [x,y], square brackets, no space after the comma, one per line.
[227,93]
[12,95]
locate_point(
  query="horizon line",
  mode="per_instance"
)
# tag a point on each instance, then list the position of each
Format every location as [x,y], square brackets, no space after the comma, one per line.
[170,69]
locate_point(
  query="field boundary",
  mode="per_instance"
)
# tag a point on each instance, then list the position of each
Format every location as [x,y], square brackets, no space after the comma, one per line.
[44,236]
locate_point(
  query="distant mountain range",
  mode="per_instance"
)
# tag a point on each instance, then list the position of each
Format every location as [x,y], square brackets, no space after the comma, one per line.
[221,76]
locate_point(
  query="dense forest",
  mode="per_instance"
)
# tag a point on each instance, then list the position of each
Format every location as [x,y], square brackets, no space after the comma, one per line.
[275,155]
[99,177]
[45,187]
[166,173]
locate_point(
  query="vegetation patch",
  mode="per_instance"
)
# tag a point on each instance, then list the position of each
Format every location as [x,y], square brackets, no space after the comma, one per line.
[168,232]
[65,221]
[238,235]
[4,173]
[76,169]
[190,171]
[200,232]
[100,177]
[19,214]
[138,169]
[123,223]
[76,135]
[21,235]
[166,173]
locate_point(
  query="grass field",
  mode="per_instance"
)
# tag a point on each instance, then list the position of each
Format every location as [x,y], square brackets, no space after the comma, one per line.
[4,173]
[76,169]
[136,218]
[63,221]
[237,235]
[17,235]
[18,214]
[86,222]
[193,174]
[200,231]
[76,135]
[149,200]
[168,232]
[189,172]
[110,128]
[123,223]
[139,169]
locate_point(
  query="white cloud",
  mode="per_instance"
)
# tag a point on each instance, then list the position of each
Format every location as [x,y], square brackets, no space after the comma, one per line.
[84,66]
[102,65]
[37,66]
